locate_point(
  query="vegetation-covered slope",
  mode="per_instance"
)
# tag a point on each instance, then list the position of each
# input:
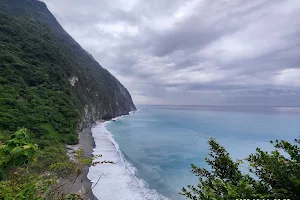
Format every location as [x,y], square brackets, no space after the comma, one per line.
[48,83]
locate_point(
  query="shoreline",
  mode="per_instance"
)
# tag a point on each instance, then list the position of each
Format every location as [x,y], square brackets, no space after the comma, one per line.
[82,183]
[87,144]
[120,180]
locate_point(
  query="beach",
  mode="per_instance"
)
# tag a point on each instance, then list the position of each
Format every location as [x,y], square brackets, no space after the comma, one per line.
[86,142]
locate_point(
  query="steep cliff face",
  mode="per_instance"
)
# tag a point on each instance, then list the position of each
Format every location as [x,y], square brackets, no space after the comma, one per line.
[46,76]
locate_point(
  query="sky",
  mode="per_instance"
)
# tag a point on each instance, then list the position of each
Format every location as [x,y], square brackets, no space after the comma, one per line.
[194,52]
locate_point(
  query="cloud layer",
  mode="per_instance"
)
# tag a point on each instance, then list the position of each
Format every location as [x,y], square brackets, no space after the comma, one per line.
[193,51]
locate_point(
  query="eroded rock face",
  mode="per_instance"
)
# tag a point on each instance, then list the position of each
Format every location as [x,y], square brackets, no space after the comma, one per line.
[107,116]
[73,80]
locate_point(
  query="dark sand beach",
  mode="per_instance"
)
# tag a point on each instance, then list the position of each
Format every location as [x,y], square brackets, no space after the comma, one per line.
[83,184]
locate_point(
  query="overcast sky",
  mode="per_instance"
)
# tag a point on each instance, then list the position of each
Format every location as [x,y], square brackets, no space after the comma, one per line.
[215,52]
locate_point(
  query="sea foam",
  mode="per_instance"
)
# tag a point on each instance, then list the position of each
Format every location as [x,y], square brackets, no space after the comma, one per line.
[116,181]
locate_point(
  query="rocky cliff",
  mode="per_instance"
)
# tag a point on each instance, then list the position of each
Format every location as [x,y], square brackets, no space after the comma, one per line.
[48,82]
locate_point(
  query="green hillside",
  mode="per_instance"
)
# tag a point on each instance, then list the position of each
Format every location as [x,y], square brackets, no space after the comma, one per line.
[48,83]
[50,89]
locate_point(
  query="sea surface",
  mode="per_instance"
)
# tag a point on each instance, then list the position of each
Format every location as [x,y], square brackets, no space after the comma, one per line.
[153,148]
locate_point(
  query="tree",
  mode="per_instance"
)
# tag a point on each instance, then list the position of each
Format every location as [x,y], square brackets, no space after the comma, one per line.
[271,175]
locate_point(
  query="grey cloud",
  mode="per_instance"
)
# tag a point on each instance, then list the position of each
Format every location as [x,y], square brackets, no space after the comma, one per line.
[183,39]
[193,52]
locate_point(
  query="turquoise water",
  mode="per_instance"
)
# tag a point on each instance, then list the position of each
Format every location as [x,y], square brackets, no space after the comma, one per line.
[162,141]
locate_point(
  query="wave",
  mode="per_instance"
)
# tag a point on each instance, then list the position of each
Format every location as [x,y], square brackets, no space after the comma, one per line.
[118,180]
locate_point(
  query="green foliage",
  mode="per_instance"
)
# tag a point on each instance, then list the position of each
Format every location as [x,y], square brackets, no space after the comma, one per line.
[271,175]
[23,185]
[37,61]
[16,152]
[34,174]
[16,156]
[79,154]
[279,173]
[55,160]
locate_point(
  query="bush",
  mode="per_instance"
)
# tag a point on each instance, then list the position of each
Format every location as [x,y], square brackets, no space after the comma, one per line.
[70,139]
[271,175]
[17,152]
[33,173]
[25,186]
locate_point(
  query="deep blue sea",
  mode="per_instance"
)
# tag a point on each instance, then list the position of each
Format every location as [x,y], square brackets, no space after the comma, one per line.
[156,145]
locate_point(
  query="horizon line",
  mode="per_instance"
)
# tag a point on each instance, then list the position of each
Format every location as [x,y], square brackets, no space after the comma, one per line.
[219,105]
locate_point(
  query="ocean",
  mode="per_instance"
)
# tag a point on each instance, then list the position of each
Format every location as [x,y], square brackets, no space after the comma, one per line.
[154,147]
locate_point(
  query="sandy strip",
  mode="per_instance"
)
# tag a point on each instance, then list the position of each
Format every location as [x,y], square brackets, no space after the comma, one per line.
[86,142]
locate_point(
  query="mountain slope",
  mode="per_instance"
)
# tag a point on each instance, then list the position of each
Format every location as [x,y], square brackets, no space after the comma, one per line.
[48,83]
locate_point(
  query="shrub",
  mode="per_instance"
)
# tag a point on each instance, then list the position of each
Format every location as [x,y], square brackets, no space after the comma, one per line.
[17,152]
[271,175]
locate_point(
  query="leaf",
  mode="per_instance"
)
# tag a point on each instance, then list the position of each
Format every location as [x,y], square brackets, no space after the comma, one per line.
[16,150]
[28,146]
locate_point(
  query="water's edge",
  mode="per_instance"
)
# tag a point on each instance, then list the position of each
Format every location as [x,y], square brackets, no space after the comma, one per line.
[118,180]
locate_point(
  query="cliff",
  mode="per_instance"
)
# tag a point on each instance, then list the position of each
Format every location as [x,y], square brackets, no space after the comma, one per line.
[48,82]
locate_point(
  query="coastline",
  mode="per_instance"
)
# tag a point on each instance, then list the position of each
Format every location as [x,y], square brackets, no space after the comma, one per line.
[87,144]
[82,183]
[119,180]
